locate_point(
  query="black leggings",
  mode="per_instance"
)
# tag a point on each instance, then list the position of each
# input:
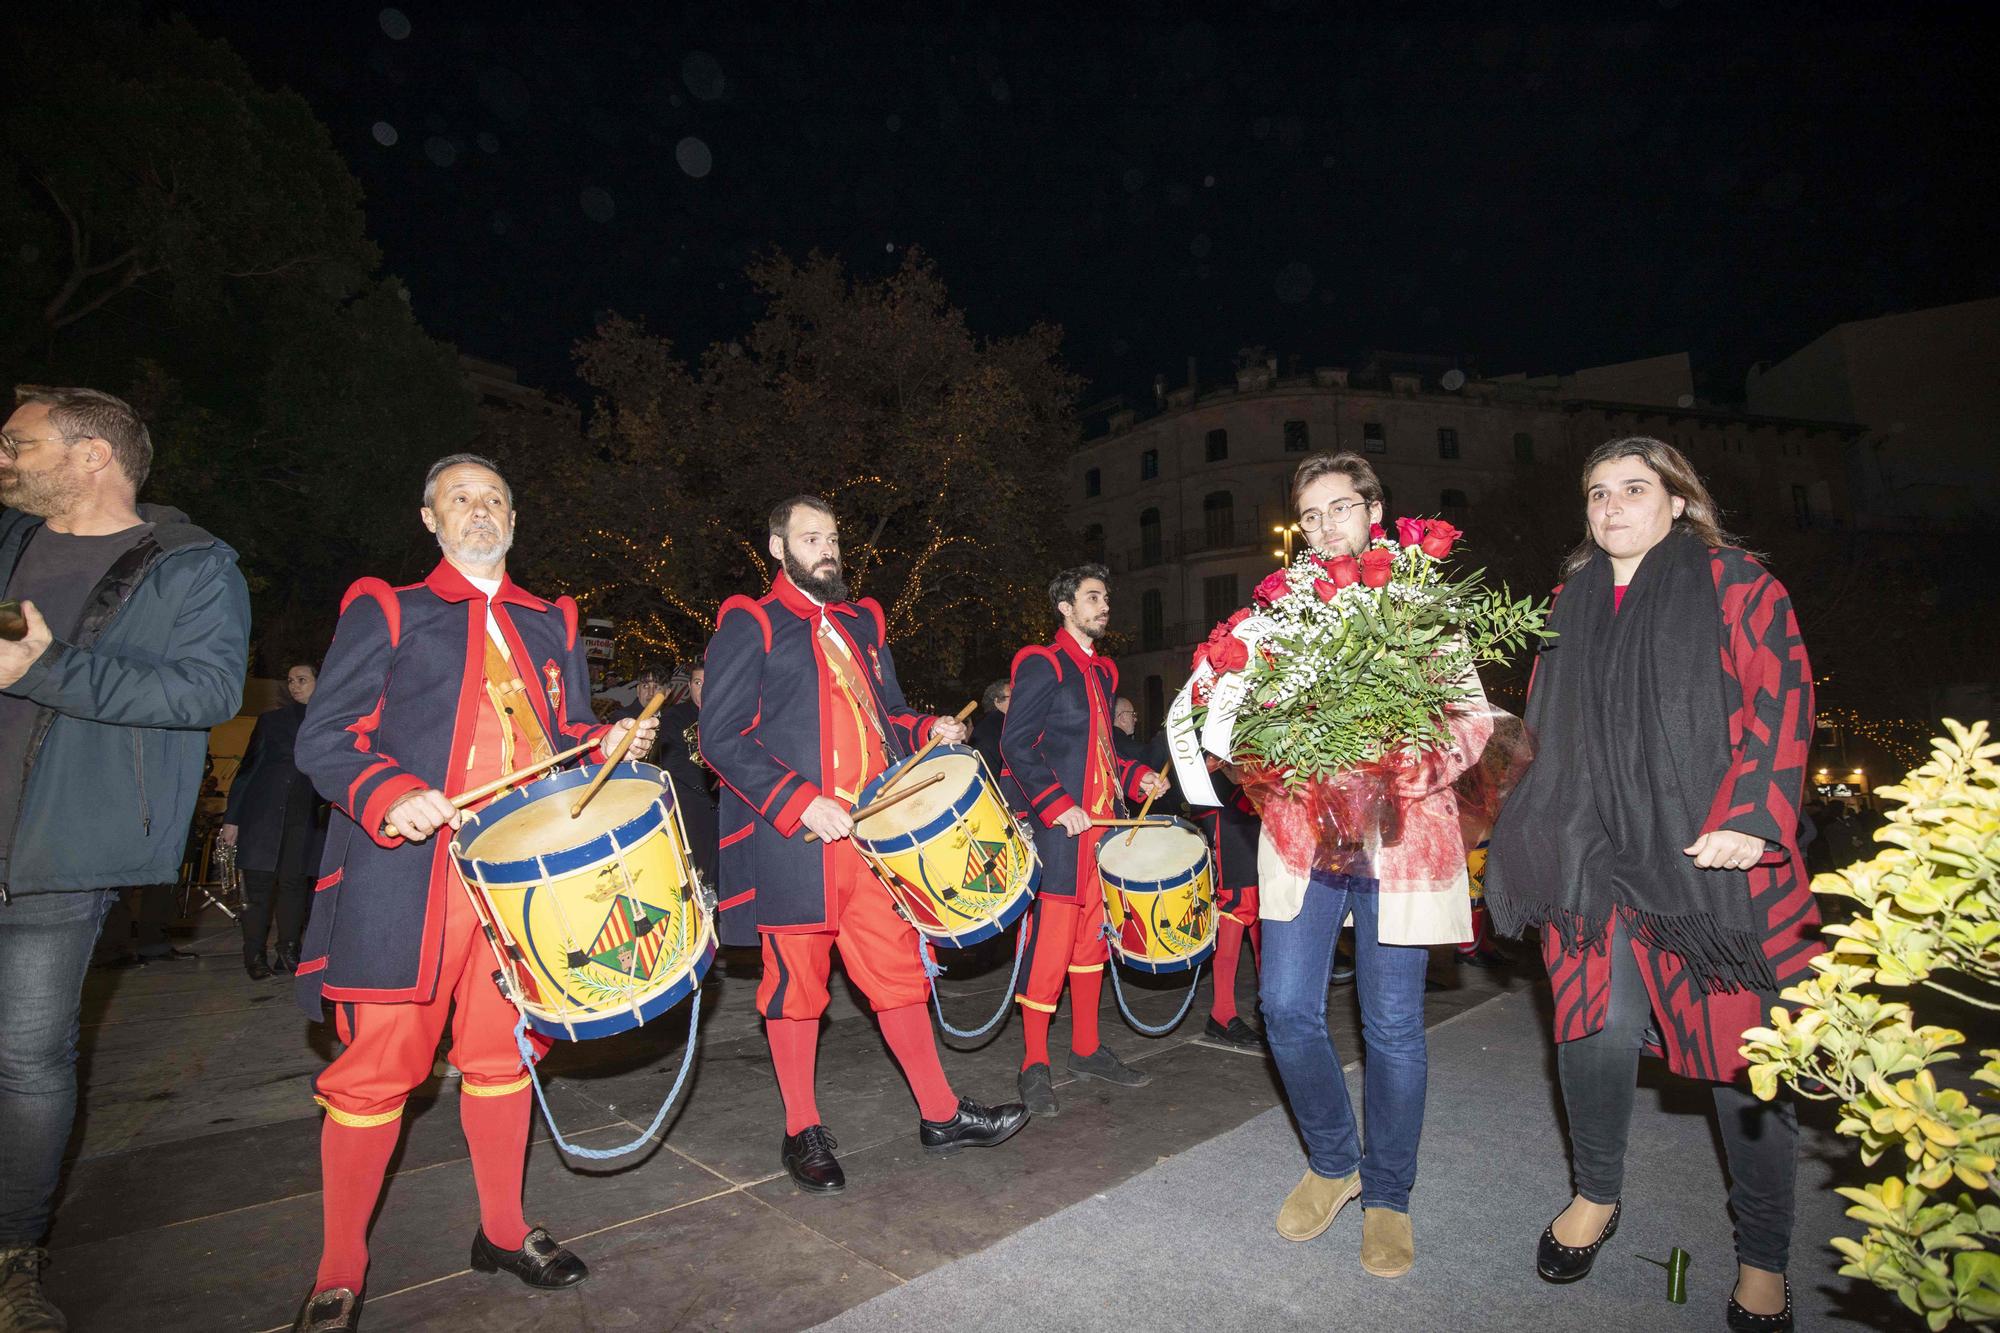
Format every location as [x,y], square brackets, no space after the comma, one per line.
[1761,1139]
[290,894]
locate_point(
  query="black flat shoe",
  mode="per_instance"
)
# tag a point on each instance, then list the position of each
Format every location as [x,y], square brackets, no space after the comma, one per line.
[1742,1321]
[974,1126]
[810,1162]
[1557,1262]
[1238,1034]
[1105,1067]
[335,1310]
[540,1262]
[1342,974]
[258,969]
[285,960]
[1037,1094]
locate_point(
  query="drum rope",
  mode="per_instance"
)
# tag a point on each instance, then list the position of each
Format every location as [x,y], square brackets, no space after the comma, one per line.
[932,971]
[1118,988]
[528,1058]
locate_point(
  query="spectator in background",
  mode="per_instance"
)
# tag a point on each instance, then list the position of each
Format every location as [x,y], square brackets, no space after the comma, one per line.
[992,717]
[134,628]
[678,751]
[276,822]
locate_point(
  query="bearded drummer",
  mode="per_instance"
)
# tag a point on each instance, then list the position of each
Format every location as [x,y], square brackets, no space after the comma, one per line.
[801,711]
[429,690]
[1062,757]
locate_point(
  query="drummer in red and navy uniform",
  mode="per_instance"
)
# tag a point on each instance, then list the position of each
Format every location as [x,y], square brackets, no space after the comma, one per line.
[802,710]
[1063,761]
[1232,830]
[428,690]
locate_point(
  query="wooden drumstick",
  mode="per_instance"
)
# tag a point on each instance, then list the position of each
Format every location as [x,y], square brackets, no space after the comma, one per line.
[1140,820]
[480,793]
[888,801]
[611,761]
[1126,823]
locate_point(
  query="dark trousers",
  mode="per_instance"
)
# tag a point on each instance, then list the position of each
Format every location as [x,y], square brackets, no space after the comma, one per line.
[1760,1139]
[138,920]
[262,891]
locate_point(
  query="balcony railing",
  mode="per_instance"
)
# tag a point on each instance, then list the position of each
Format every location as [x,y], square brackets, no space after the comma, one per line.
[1206,539]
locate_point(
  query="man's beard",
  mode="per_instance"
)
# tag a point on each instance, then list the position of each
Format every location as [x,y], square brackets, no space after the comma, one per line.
[825,587]
[477,549]
[43,494]
[1093,631]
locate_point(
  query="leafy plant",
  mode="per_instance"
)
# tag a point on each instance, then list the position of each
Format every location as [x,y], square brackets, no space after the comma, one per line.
[1928,903]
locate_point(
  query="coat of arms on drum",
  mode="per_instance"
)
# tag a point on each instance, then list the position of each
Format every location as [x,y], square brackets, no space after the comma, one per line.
[628,945]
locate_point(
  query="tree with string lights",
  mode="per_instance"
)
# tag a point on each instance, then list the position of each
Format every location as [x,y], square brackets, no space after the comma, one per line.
[940,450]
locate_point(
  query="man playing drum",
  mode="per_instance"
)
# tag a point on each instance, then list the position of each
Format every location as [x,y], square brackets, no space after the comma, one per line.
[1059,750]
[802,710]
[429,690]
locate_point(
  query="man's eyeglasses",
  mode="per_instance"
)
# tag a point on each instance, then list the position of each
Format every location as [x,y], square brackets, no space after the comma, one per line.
[12,447]
[1313,519]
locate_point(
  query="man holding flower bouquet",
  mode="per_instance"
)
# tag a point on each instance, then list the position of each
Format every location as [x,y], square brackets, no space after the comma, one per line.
[1348,704]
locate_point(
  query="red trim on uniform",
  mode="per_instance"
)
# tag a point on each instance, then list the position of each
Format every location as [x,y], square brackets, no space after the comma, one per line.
[1044,795]
[737,901]
[786,821]
[741,603]
[874,608]
[328,881]
[385,597]
[310,966]
[375,814]
[1032,650]
[567,605]
[354,787]
[736,837]
[1059,807]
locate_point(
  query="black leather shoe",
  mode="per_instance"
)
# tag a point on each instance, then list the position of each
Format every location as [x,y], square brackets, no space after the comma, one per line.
[540,1262]
[974,1126]
[1557,1262]
[258,969]
[335,1310]
[1036,1093]
[1102,1065]
[1742,1321]
[1343,972]
[285,960]
[810,1162]
[1238,1034]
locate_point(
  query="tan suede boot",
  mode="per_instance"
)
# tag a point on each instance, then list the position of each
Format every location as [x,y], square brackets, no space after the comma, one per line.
[1313,1204]
[1387,1246]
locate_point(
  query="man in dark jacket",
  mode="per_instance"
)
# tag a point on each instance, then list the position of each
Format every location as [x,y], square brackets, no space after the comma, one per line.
[986,730]
[130,646]
[274,821]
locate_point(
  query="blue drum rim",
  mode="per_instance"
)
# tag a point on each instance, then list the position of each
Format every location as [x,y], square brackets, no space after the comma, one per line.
[529,870]
[623,1020]
[912,839]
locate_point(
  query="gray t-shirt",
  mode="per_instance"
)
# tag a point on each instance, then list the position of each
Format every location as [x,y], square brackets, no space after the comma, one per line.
[57,573]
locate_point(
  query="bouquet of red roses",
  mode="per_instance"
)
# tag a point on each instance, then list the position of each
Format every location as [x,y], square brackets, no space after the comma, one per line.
[1352,661]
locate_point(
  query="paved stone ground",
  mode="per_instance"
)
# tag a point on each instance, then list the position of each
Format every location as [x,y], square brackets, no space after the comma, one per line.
[192,1197]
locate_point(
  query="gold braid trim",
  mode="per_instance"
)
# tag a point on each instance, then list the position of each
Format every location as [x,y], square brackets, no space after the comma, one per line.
[353,1121]
[471,1089]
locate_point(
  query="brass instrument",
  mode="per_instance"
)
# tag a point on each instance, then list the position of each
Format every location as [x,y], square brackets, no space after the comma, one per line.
[691,738]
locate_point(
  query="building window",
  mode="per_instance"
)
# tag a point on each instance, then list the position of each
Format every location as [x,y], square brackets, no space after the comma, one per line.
[1524,447]
[1153,715]
[1218,597]
[1093,484]
[1298,438]
[1373,439]
[1218,519]
[1452,504]
[1447,442]
[1149,538]
[1149,465]
[1093,543]
[1802,506]
[1218,446]
[1152,620]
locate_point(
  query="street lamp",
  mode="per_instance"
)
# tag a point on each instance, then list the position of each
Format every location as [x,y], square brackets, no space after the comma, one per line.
[1285,532]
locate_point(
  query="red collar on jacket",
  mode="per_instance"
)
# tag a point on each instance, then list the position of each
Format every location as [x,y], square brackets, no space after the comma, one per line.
[1066,643]
[793,598]
[450,584]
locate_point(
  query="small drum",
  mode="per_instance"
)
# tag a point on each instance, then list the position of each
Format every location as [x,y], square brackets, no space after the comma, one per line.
[601,919]
[959,867]
[1159,895]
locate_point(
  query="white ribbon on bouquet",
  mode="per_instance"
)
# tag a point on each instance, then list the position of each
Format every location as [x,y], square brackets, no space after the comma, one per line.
[1185,744]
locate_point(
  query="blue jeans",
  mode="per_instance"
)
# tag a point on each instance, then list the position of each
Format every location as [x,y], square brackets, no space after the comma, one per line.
[1389,979]
[45,944]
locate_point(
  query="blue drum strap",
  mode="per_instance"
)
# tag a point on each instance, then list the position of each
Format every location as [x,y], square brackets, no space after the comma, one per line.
[1119,988]
[932,971]
[646,1135]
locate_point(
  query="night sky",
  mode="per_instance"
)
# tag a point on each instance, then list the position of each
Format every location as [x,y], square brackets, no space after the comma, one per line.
[1531,193]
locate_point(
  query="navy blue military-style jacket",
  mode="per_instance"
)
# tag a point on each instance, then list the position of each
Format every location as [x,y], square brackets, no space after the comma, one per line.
[761,711]
[395,713]
[1060,715]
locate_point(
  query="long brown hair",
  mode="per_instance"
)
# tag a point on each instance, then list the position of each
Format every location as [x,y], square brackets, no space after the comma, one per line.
[1699,513]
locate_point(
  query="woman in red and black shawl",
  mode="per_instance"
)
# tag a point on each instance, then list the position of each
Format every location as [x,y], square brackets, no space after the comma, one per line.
[1655,844]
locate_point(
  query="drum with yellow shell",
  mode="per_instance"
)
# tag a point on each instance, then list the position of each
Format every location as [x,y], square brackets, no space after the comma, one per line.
[952,856]
[599,922]
[1159,895]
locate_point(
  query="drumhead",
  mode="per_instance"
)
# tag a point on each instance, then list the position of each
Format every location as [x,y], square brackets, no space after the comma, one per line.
[543,827]
[1159,852]
[960,771]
